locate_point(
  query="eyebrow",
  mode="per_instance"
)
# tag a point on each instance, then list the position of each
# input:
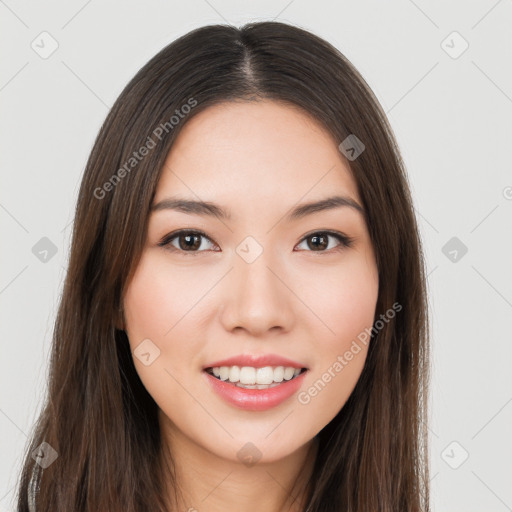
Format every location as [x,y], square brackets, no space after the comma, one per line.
[211,209]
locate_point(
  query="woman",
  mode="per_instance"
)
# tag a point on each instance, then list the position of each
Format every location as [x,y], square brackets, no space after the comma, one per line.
[243,324]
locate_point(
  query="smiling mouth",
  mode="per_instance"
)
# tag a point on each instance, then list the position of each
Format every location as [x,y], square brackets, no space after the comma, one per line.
[255,378]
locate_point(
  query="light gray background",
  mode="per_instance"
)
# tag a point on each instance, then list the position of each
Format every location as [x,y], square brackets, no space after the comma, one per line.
[452,120]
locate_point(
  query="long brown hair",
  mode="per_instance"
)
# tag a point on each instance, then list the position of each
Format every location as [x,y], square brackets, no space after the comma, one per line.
[97,415]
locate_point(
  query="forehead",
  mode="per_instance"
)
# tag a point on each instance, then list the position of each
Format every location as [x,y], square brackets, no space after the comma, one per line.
[240,152]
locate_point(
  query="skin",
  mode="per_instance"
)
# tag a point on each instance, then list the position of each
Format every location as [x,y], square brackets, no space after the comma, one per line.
[258,160]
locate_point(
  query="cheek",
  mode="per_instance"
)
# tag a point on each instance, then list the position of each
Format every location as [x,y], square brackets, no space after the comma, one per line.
[346,304]
[344,296]
[159,306]
[160,299]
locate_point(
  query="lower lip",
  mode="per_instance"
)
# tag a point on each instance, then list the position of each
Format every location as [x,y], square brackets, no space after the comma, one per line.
[255,399]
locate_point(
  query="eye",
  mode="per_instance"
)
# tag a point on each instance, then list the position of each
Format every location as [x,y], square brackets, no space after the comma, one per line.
[320,241]
[188,241]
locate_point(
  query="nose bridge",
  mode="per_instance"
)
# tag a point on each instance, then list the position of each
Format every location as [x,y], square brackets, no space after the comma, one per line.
[258,299]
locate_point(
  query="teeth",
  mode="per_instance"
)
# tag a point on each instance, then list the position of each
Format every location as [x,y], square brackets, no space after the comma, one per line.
[257,386]
[233,373]
[253,377]
[224,373]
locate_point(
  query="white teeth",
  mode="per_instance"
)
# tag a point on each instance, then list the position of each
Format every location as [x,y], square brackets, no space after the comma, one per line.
[253,377]
[279,374]
[265,375]
[288,373]
[248,375]
[224,373]
[257,386]
[234,374]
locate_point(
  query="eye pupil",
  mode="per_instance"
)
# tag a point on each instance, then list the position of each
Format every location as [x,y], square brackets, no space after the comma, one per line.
[315,239]
[195,245]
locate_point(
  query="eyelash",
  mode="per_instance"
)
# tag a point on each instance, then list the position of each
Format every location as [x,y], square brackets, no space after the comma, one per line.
[345,241]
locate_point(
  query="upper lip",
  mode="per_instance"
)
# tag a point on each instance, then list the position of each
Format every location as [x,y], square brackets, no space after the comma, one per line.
[256,361]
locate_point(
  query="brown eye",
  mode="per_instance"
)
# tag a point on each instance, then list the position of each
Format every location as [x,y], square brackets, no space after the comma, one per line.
[319,241]
[187,241]
[192,242]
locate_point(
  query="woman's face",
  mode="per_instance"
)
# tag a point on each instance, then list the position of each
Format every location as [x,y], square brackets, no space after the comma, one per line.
[262,282]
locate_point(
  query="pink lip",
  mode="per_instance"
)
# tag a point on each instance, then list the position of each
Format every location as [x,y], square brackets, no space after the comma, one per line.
[255,399]
[256,361]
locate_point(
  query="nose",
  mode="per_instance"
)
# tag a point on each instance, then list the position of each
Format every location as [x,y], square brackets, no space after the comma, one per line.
[258,297]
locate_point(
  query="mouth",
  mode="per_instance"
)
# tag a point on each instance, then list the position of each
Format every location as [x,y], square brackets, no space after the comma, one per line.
[248,377]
